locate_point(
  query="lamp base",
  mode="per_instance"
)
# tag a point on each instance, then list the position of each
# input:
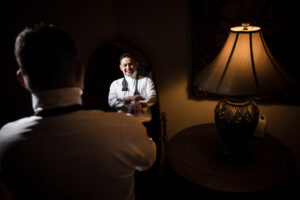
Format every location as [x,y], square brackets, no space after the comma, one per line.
[236,120]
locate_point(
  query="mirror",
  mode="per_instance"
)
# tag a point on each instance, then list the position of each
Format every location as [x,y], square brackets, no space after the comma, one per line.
[103,69]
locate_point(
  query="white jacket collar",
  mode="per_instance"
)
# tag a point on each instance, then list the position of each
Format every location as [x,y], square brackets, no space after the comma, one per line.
[56,98]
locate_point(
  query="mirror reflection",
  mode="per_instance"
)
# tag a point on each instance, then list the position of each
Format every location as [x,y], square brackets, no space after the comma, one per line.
[132,94]
[119,78]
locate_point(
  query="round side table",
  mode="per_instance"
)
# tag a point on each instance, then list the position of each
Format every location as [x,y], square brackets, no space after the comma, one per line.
[194,154]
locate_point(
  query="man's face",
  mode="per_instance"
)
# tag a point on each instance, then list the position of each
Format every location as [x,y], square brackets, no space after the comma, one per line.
[128,66]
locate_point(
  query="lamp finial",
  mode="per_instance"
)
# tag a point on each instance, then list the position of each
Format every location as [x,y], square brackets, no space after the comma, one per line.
[245,25]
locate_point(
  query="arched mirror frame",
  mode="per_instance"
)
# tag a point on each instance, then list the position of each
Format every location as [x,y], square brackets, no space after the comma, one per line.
[103,68]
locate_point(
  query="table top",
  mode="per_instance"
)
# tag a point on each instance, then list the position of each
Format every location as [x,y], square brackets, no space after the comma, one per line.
[194,153]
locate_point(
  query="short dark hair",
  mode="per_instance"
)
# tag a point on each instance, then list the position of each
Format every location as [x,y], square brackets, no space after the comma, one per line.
[128,55]
[42,52]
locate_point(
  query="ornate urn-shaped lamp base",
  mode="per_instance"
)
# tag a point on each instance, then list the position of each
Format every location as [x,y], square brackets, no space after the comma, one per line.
[236,120]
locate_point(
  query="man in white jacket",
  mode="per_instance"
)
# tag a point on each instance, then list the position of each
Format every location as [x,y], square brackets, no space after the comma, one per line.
[132,94]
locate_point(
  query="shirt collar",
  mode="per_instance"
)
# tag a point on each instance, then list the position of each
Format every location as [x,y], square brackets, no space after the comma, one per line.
[61,97]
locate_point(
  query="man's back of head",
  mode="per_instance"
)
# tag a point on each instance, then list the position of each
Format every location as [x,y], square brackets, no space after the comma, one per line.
[46,56]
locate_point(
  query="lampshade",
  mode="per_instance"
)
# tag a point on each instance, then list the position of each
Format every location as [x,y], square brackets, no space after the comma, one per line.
[244,67]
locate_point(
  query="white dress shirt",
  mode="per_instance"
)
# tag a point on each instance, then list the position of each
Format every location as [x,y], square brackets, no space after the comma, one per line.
[86,154]
[146,88]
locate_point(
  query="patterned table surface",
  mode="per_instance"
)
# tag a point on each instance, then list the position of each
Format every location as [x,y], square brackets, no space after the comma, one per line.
[194,153]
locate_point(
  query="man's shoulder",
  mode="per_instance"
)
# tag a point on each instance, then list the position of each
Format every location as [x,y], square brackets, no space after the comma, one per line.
[121,117]
[145,78]
[113,117]
[22,121]
[116,123]
[116,83]
[15,128]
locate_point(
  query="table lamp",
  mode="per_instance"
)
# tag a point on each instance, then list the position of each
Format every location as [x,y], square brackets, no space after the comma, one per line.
[243,69]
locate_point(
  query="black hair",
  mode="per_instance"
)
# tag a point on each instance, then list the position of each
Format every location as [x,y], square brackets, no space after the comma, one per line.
[128,55]
[42,52]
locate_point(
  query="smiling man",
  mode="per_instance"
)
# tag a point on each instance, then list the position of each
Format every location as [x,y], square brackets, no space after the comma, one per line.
[132,94]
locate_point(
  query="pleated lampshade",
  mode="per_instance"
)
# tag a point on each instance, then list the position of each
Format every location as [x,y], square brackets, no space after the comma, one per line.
[244,67]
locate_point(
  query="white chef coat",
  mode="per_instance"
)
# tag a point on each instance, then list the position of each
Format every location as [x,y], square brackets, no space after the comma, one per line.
[146,89]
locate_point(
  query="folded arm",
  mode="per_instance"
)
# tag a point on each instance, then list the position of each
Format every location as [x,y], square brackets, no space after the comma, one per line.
[150,98]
